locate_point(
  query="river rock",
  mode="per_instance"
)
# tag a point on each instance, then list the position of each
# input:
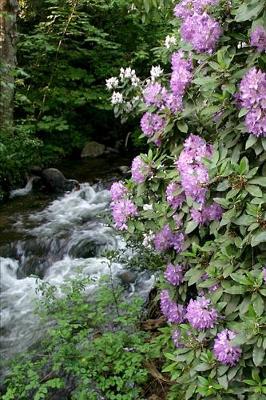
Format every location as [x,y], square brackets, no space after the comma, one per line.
[127,277]
[56,182]
[93,150]
[54,179]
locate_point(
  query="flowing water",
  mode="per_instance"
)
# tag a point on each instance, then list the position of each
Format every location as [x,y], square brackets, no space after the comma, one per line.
[52,243]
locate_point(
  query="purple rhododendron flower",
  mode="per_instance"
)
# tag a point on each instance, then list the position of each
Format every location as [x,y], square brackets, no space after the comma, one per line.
[252,95]
[176,335]
[151,123]
[173,102]
[140,170]
[201,31]
[200,314]
[118,191]
[207,214]
[153,94]
[174,274]
[177,241]
[173,312]
[122,210]
[181,74]
[163,239]
[173,199]
[186,8]
[194,175]
[223,349]
[258,38]
[255,121]
[252,89]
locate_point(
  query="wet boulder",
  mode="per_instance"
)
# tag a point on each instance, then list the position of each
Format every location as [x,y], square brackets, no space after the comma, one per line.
[56,182]
[92,150]
[127,277]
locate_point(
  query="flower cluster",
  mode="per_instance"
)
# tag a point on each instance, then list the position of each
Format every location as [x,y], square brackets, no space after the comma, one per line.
[151,124]
[252,96]
[224,351]
[207,214]
[194,174]
[173,196]
[174,313]
[166,239]
[169,41]
[122,210]
[154,94]
[156,72]
[202,32]
[258,38]
[186,8]
[181,74]
[129,73]
[200,314]
[117,98]
[118,191]
[174,274]
[112,83]
[198,28]
[140,170]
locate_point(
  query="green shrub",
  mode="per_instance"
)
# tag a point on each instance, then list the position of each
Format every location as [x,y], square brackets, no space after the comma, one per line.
[91,348]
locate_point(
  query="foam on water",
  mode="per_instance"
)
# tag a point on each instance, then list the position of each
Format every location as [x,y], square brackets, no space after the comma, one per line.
[63,232]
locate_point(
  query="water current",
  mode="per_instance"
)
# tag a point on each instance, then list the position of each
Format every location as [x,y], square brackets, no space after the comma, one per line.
[66,237]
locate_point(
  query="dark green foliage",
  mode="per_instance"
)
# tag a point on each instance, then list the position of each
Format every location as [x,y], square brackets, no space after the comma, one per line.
[65,51]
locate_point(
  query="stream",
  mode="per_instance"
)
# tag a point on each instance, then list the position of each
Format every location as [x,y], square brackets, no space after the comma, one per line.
[44,239]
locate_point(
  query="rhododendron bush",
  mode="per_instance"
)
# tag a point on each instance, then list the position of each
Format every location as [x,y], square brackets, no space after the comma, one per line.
[197,198]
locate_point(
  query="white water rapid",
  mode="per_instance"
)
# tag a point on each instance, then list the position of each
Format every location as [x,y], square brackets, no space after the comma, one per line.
[67,238]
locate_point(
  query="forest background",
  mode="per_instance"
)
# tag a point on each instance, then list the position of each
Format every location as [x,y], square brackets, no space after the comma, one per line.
[55,57]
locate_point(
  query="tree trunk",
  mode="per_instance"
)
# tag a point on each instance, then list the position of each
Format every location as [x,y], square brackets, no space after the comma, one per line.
[8,13]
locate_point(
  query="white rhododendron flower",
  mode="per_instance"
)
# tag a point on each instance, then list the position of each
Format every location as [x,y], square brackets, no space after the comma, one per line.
[112,83]
[117,98]
[169,41]
[156,72]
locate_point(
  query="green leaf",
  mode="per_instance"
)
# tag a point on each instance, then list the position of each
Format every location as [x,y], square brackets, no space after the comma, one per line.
[243,112]
[245,220]
[258,355]
[190,391]
[191,226]
[223,186]
[258,238]
[195,277]
[236,290]
[182,126]
[254,190]
[249,11]
[261,181]
[202,367]
[147,5]
[251,141]
[170,356]
[258,304]
[223,381]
